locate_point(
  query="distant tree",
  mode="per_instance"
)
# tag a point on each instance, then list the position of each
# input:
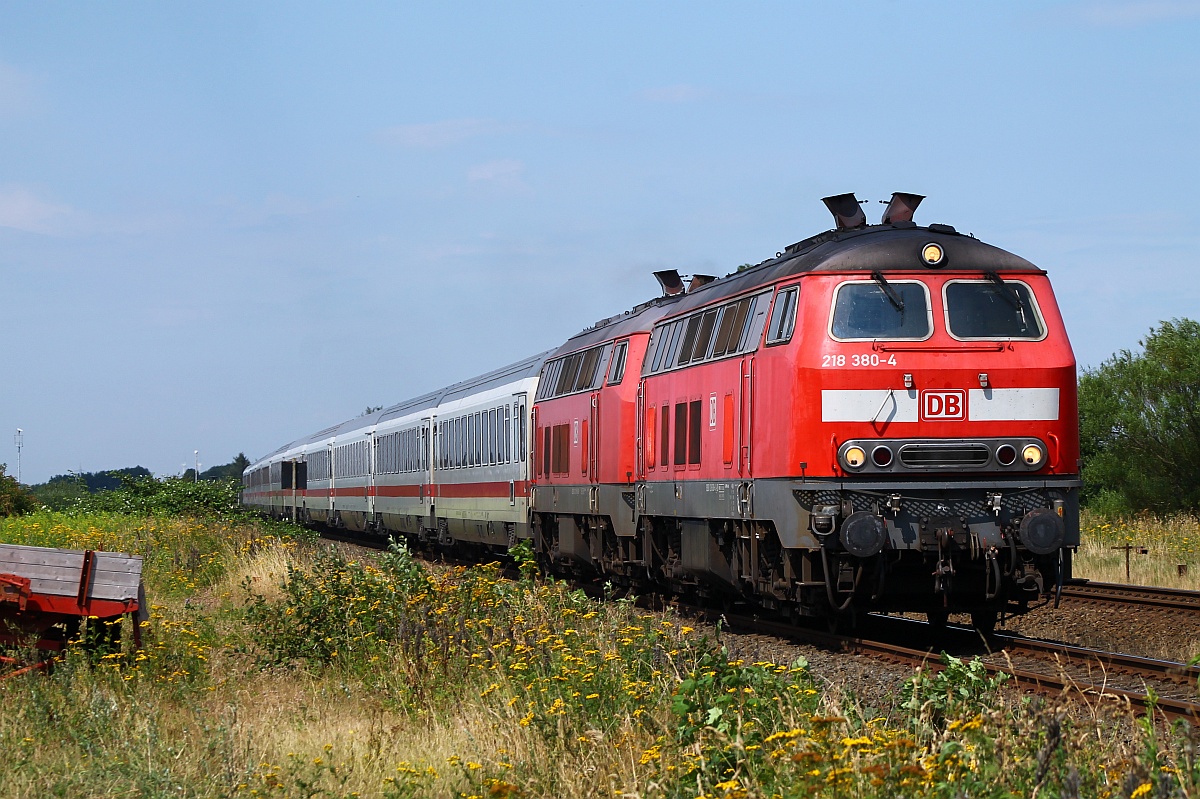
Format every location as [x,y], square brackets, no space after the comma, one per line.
[14,499]
[229,471]
[1140,424]
[371,409]
[59,494]
[99,481]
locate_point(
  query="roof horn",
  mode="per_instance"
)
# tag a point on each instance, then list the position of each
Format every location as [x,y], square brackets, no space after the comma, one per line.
[670,281]
[845,210]
[901,208]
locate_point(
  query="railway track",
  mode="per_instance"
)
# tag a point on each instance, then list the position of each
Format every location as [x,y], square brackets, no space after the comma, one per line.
[1166,599]
[1037,666]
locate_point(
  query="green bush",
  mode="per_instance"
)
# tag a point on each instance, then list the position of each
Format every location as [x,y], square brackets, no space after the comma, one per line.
[14,499]
[148,496]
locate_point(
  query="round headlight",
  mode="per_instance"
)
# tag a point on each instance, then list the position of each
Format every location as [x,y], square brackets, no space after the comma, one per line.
[1033,455]
[854,457]
[933,254]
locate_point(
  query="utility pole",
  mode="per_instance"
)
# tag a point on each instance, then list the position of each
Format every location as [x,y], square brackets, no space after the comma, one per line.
[19,440]
[197,473]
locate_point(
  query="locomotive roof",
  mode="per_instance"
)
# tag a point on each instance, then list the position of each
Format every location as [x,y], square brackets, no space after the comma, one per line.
[885,248]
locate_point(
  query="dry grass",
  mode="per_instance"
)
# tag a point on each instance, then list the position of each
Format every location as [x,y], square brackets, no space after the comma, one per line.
[1171,542]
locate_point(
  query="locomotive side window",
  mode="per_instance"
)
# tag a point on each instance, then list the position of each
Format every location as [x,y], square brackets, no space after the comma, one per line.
[665,438]
[681,433]
[870,310]
[579,371]
[694,432]
[989,309]
[707,335]
[617,371]
[783,316]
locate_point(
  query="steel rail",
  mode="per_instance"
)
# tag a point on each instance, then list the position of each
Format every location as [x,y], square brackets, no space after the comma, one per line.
[1143,595]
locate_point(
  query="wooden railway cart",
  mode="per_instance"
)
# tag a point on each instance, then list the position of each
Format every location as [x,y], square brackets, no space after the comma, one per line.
[46,594]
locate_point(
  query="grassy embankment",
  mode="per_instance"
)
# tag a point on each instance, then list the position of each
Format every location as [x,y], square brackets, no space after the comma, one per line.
[277,667]
[1171,541]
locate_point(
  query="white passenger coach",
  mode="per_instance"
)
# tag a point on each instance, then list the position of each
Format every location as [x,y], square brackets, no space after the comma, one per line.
[454,465]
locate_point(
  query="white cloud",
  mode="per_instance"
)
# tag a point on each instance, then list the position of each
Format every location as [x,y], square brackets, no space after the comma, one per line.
[21,209]
[1137,12]
[430,135]
[679,93]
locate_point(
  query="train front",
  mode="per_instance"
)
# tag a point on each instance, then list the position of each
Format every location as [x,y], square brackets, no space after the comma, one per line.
[938,421]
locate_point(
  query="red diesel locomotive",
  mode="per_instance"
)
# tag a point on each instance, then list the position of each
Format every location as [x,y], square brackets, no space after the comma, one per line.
[882,417]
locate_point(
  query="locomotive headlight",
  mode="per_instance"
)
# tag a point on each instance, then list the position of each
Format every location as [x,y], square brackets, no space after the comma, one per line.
[854,457]
[1033,455]
[933,254]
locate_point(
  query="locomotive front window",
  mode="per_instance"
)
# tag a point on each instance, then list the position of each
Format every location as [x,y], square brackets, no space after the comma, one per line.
[992,310]
[866,311]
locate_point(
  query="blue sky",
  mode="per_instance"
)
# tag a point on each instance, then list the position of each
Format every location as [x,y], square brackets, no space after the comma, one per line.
[225,225]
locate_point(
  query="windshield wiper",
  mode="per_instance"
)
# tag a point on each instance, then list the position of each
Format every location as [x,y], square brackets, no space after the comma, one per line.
[1006,291]
[891,293]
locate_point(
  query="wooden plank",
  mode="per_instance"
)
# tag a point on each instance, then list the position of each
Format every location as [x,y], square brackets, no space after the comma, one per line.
[66,574]
[41,585]
[41,557]
[60,588]
[99,576]
[118,562]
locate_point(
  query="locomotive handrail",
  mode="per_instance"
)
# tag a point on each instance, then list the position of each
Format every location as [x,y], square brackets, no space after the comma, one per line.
[964,347]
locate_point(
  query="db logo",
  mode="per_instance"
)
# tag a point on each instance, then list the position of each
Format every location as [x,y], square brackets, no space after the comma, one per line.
[947,406]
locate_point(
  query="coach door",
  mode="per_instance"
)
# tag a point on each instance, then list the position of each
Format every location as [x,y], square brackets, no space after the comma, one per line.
[429,452]
[369,481]
[519,482]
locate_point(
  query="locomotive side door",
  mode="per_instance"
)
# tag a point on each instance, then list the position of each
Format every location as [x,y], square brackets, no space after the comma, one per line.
[746,416]
[593,443]
[640,425]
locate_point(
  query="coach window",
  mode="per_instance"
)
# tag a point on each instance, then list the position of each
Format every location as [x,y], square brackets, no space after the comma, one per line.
[616,371]
[783,316]
[866,310]
[991,309]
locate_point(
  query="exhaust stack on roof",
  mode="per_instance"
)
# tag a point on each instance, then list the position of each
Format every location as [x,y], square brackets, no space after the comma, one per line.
[901,208]
[845,210]
[700,280]
[670,281]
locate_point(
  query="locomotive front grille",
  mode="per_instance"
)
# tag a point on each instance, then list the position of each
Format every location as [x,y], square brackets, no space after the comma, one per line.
[944,455]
